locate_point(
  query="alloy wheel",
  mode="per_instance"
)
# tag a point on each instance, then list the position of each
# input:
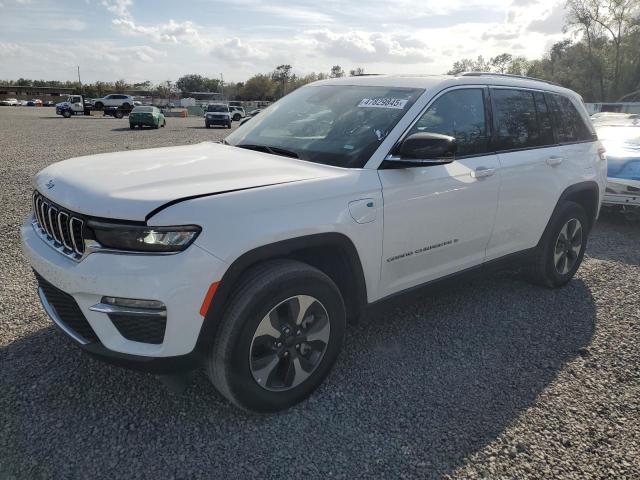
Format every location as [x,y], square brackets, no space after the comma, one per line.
[289,343]
[568,246]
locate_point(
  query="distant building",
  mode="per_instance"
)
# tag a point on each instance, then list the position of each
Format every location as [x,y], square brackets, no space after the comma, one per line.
[204,98]
[25,92]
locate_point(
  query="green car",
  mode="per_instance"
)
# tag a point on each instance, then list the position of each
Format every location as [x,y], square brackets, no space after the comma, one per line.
[149,116]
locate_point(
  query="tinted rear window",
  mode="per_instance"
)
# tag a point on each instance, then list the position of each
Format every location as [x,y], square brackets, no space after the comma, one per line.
[570,125]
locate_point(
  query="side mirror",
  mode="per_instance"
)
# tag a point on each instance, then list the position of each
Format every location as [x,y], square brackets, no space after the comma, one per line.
[422,149]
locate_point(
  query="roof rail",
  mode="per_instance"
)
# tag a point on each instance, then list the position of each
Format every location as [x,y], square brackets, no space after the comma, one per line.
[507,75]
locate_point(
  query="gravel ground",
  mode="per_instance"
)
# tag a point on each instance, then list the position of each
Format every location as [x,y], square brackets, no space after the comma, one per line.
[493,378]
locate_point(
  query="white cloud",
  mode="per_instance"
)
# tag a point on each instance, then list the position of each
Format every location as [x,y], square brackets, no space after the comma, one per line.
[170,32]
[118,7]
[238,52]
[377,47]
[552,22]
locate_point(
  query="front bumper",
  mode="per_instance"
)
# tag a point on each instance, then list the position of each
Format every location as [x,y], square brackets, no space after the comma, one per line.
[180,281]
[217,121]
[622,192]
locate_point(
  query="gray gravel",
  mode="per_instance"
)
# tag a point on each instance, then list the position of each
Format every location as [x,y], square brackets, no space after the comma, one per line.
[486,378]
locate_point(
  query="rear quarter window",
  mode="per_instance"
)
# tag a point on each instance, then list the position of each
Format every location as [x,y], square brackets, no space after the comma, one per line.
[570,126]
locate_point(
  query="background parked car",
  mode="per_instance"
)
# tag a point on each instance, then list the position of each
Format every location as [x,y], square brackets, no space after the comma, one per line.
[237,113]
[146,116]
[217,114]
[9,102]
[620,135]
[114,100]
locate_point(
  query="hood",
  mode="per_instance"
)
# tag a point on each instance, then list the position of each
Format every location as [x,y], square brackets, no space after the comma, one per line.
[129,185]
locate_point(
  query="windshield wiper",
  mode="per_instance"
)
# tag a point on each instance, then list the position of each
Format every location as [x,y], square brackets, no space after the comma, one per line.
[272,150]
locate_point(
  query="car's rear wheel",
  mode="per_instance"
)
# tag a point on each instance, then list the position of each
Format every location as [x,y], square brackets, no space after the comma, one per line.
[66,114]
[132,127]
[126,106]
[98,105]
[562,247]
[237,117]
[279,336]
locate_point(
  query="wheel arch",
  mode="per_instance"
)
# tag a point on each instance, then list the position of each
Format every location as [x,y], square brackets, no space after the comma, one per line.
[586,194]
[332,253]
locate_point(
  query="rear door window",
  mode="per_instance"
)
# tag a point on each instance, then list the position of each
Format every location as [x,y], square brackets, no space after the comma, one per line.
[570,125]
[459,113]
[516,119]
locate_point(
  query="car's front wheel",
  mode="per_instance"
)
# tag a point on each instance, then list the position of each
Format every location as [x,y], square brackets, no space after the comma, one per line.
[279,337]
[66,113]
[562,247]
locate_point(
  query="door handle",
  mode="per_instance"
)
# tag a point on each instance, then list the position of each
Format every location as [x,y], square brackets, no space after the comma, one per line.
[482,172]
[554,160]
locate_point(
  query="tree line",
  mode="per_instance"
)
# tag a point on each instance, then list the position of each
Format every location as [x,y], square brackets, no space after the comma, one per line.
[263,86]
[600,61]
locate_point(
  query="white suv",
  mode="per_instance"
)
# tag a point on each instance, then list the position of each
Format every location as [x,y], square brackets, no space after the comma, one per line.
[251,256]
[114,100]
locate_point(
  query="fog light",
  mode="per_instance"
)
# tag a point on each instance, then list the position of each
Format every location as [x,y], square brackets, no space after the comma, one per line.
[134,303]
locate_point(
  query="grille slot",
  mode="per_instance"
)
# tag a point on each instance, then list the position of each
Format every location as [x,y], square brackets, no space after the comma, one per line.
[140,329]
[59,227]
[68,310]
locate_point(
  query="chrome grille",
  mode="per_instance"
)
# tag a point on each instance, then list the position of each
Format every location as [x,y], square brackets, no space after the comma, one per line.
[58,227]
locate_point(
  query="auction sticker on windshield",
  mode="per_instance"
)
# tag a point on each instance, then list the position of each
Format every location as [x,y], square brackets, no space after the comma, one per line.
[382,102]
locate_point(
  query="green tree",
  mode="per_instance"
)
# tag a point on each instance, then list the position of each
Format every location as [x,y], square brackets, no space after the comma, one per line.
[281,76]
[259,87]
[501,63]
[470,65]
[336,72]
[191,83]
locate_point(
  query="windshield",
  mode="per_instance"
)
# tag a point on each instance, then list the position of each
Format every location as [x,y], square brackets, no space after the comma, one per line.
[142,110]
[217,108]
[338,125]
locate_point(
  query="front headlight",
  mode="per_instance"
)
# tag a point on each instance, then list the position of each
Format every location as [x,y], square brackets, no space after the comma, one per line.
[144,238]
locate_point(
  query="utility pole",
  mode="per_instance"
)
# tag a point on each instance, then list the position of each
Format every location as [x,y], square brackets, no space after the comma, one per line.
[79,81]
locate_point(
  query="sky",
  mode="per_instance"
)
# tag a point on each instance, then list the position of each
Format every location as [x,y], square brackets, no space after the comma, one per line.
[158,40]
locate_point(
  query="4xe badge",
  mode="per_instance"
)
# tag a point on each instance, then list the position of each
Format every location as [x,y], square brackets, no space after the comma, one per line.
[50,184]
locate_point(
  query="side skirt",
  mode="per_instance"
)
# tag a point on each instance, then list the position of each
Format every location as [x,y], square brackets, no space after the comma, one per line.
[508,261]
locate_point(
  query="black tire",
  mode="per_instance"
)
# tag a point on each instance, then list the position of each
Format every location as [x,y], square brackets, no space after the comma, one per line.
[126,106]
[237,117]
[118,114]
[260,290]
[543,269]
[66,113]
[207,125]
[98,105]
[132,127]
[229,125]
